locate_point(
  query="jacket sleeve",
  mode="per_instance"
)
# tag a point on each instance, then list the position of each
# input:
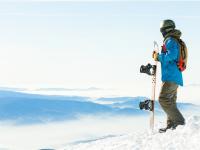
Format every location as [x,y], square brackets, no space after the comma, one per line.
[171,53]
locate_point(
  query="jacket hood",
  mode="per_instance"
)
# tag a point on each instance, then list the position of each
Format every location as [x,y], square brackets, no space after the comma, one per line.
[174,33]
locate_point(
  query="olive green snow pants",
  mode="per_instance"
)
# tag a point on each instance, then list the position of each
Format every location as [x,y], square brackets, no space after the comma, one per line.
[167,100]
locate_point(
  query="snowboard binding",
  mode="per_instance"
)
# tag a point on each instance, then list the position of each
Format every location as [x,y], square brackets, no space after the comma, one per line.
[146,105]
[148,69]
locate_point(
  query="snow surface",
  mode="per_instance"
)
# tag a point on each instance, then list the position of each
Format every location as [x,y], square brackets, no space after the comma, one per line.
[183,138]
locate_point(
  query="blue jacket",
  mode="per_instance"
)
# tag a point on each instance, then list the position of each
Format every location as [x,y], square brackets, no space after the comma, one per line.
[168,60]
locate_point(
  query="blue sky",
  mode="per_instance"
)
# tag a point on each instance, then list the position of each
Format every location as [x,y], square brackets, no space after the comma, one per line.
[90,44]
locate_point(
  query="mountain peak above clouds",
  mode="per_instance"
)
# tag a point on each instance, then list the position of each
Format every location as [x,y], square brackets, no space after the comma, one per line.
[35,108]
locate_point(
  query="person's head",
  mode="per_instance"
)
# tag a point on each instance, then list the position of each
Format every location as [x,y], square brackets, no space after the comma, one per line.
[167,26]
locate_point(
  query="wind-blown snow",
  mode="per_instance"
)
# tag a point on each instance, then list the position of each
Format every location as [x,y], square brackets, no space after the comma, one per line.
[183,138]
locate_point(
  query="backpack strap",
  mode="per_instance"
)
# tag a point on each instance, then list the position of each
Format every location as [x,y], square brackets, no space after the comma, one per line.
[165,49]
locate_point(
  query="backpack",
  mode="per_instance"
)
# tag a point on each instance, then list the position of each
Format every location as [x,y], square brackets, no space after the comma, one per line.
[182,62]
[183,51]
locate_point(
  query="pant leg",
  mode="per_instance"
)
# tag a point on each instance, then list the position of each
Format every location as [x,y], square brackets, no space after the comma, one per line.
[177,116]
[167,100]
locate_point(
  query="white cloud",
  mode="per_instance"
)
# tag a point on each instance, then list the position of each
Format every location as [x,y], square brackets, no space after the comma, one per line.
[56,135]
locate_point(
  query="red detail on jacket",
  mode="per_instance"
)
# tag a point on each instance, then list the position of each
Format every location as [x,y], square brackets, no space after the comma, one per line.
[164,49]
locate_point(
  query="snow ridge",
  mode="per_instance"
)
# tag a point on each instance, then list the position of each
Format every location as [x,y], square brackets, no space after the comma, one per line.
[183,138]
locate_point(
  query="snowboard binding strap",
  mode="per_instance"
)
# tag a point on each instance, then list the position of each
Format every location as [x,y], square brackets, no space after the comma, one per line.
[146,105]
[148,69]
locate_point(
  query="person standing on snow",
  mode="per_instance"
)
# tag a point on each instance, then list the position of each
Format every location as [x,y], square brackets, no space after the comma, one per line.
[171,75]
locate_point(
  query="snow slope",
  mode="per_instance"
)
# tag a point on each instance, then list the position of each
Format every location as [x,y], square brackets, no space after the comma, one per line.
[183,138]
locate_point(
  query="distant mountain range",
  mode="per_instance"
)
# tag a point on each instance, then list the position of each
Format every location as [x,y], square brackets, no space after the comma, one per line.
[33,108]
[51,89]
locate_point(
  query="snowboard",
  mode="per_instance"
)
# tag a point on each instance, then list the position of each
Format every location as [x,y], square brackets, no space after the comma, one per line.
[149,104]
[153,94]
